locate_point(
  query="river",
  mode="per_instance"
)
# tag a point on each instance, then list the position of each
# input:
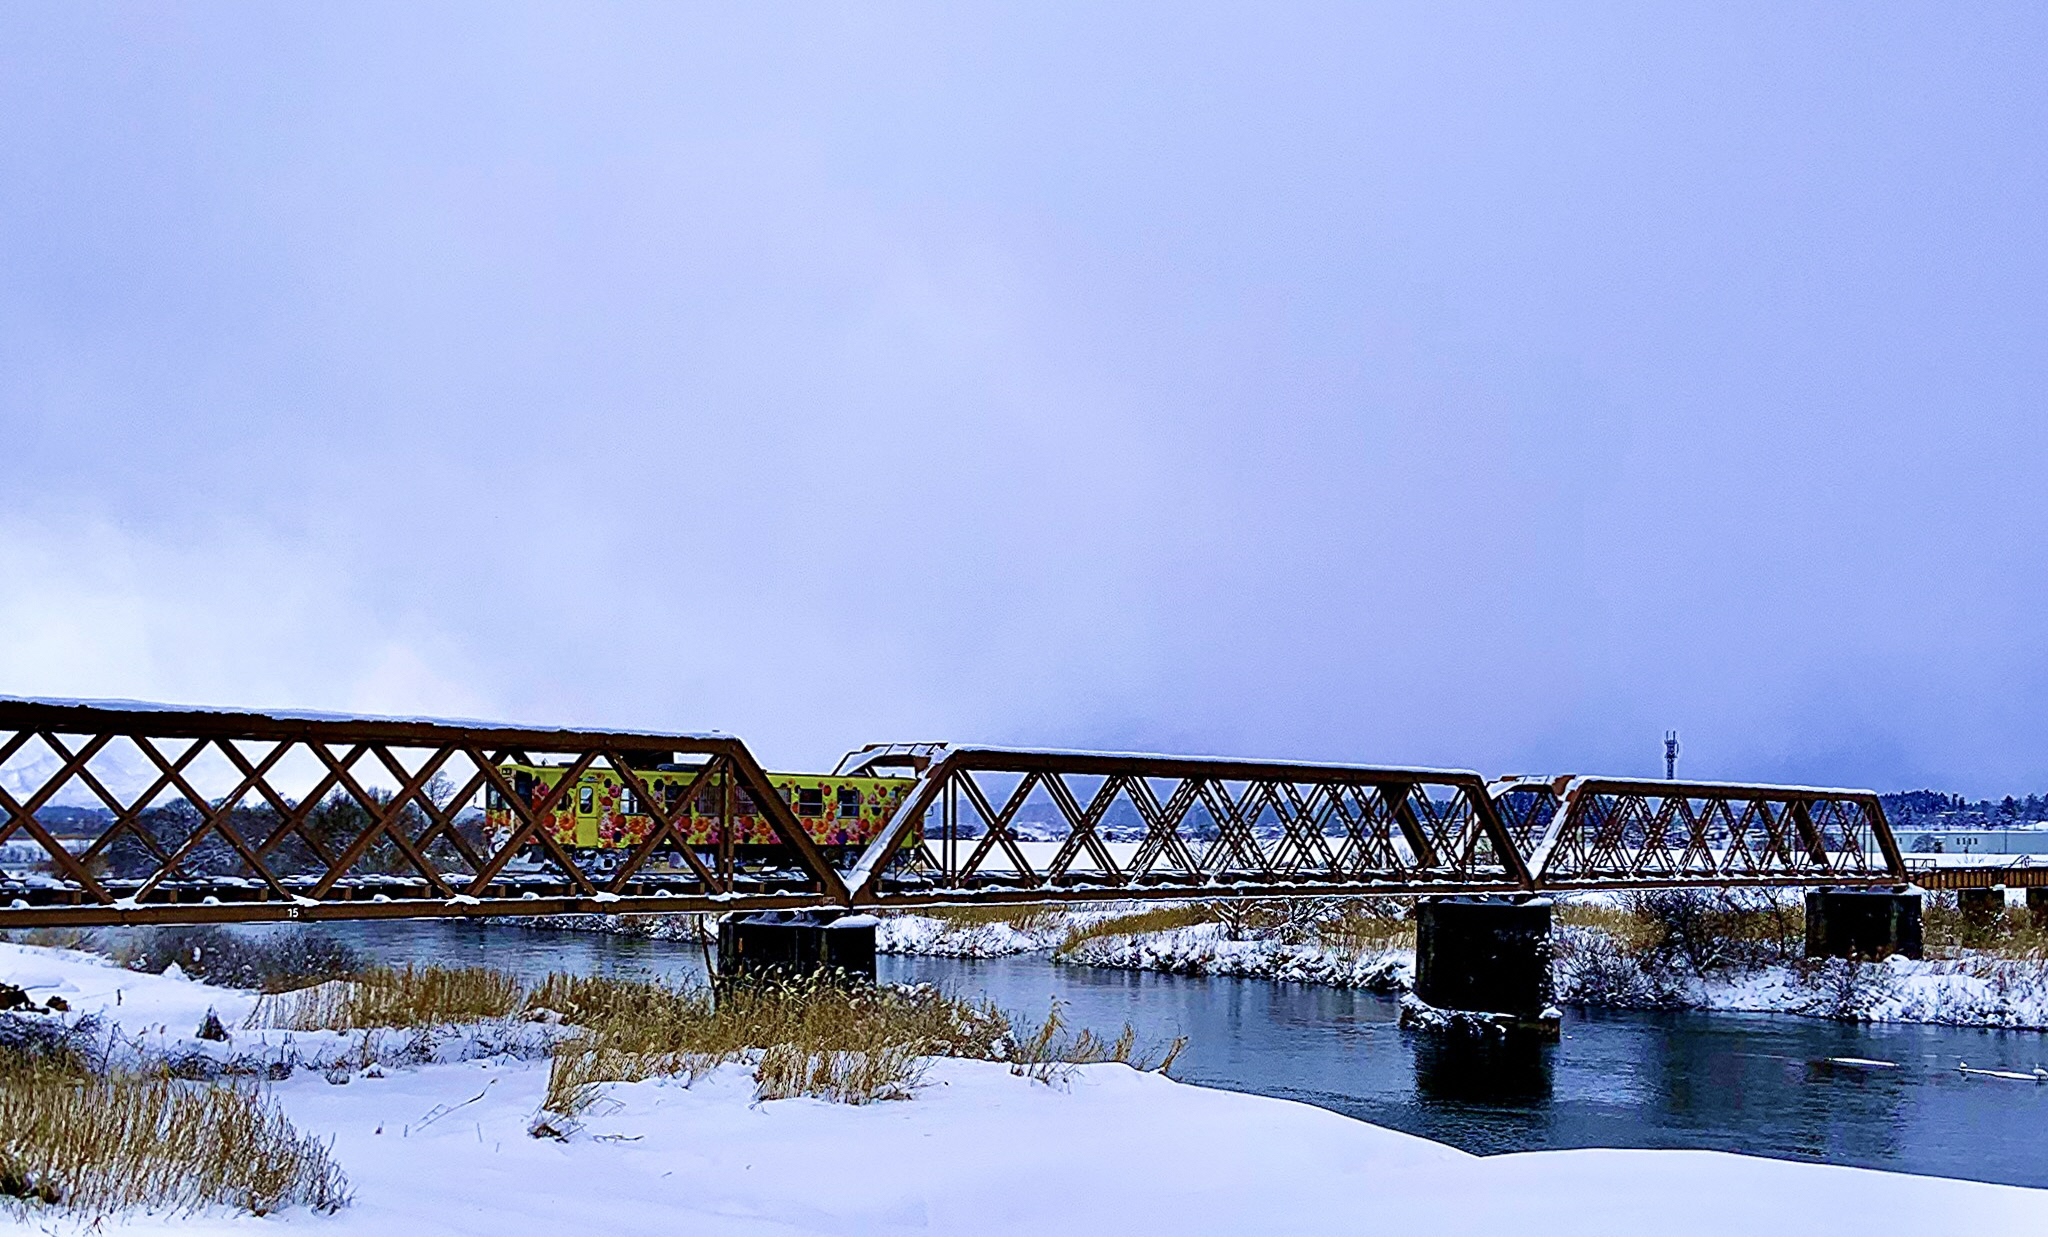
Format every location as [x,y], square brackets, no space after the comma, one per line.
[1754,1083]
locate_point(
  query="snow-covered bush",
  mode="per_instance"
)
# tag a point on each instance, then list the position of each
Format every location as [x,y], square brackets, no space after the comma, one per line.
[1590,966]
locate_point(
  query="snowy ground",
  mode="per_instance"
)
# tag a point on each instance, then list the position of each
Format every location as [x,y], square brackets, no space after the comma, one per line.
[442,1148]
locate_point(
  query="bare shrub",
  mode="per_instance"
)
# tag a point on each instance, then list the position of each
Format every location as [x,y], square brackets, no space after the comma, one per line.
[1843,988]
[1949,933]
[268,962]
[1365,925]
[1592,966]
[1643,949]
[1708,930]
[37,1043]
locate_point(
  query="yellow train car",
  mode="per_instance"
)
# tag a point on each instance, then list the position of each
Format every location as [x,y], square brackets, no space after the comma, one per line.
[600,817]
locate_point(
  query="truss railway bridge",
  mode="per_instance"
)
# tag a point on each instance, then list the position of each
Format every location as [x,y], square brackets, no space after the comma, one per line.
[122,813]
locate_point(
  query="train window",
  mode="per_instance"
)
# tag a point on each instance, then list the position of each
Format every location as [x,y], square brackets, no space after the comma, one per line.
[742,802]
[810,801]
[849,802]
[586,798]
[629,803]
[707,802]
[493,801]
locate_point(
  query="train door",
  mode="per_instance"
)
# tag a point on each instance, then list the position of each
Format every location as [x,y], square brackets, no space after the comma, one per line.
[586,814]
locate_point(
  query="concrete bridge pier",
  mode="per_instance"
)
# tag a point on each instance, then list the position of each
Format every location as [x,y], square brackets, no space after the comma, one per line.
[1980,911]
[1862,923]
[1486,956]
[796,944]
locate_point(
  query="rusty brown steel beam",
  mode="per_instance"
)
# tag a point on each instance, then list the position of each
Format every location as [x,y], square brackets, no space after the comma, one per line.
[2014,876]
[1208,827]
[208,871]
[1613,833]
[1390,834]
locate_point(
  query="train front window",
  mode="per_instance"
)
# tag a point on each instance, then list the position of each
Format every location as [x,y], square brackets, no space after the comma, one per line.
[810,801]
[849,803]
[586,798]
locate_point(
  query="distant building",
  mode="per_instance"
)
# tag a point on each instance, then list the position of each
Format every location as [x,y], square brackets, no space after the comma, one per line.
[2024,840]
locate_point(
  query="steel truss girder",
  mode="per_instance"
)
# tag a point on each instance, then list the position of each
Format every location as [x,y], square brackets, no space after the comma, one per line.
[1209,827]
[1615,833]
[1205,827]
[411,838]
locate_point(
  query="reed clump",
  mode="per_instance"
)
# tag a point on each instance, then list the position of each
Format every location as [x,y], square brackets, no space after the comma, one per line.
[1364,926]
[95,1143]
[804,1036]
[1353,925]
[392,997]
[1050,1054]
[1030,920]
[1141,922]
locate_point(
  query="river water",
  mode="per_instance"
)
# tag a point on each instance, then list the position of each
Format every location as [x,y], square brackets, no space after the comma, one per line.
[1754,1083]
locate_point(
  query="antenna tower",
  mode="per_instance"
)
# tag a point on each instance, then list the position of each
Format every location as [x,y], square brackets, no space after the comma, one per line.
[1670,755]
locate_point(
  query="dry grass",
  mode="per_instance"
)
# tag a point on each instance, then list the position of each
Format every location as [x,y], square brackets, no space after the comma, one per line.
[2011,933]
[1049,1055]
[52,938]
[96,1145]
[1365,926]
[383,997]
[1356,925]
[1632,930]
[890,1072]
[806,1037]
[1026,919]
[1140,922]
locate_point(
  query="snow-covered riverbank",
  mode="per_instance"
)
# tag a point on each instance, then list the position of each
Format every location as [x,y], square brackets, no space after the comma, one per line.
[1979,990]
[442,1146]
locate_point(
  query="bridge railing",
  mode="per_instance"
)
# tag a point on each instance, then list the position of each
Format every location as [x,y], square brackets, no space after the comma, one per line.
[996,824]
[1592,832]
[198,815]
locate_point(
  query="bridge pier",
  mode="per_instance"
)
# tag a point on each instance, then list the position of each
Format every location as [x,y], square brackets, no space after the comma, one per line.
[792,944]
[1980,911]
[1862,923]
[1488,956]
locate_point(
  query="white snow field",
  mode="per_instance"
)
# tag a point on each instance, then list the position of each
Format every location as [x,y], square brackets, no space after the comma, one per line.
[443,1148]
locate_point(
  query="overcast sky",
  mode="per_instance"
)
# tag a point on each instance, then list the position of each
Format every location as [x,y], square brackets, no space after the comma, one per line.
[1483,387]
